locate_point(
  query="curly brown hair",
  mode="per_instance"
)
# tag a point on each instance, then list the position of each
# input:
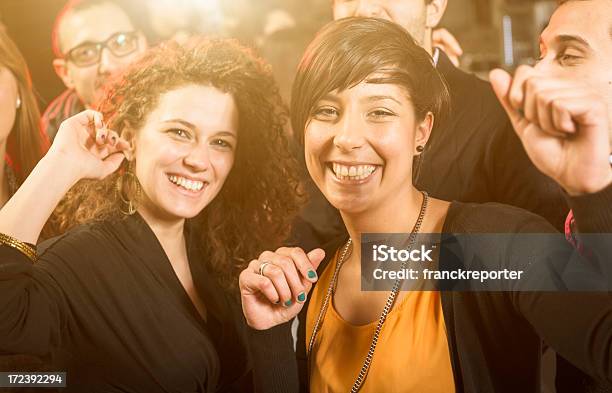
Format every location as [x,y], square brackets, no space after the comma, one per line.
[252,211]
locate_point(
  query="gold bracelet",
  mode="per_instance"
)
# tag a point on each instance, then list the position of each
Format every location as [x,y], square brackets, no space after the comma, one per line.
[24,248]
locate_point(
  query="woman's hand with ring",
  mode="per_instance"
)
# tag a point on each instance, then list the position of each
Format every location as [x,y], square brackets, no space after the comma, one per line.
[274,287]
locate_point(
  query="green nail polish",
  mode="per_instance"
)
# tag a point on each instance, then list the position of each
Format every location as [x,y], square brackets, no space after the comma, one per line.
[288,303]
[301,297]
[312,274]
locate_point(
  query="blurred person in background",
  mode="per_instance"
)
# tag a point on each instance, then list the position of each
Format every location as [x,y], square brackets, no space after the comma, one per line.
[21,145]
[180,19]
[575,64]
[21,142]
[475,156]
[92,39]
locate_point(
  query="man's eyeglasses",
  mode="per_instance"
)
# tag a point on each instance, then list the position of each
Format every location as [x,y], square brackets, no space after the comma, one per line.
[89,53]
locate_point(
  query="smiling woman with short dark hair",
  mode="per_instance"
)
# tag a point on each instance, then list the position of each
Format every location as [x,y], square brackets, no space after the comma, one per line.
[366,98]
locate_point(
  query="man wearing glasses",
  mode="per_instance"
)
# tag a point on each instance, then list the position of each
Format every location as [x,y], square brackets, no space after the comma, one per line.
[92,39]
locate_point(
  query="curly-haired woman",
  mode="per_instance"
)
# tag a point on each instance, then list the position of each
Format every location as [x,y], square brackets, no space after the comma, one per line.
[127,301]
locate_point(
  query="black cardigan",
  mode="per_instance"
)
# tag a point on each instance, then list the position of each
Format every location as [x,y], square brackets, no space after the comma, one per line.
[104,302]
[494,338]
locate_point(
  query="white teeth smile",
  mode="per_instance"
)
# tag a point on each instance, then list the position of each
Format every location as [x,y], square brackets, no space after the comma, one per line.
[352,172]
[191,185]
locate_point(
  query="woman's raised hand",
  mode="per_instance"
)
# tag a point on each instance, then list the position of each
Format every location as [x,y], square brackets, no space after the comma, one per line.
[443,39]
[83,149]
[274,287]
[83,144]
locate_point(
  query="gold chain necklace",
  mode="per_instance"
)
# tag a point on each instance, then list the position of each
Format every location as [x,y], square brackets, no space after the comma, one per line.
[331,290]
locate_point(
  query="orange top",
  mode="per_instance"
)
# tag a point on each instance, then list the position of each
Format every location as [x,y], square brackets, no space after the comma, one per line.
[411,355]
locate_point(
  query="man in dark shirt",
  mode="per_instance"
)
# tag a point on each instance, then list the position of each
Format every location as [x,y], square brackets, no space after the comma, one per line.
[472,156]
[92,39]
[577,46]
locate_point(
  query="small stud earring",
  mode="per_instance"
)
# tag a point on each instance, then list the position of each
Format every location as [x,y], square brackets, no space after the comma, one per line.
[420,148]
[18,103]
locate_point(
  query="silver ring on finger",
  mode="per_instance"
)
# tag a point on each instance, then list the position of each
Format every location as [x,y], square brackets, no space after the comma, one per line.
[262,267]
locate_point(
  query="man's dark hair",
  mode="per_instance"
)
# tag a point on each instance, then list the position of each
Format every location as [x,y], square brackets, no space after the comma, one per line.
[75,6]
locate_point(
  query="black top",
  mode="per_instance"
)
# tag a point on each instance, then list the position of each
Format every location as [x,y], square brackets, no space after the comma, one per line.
[473,156]
[104,302]
[494,338]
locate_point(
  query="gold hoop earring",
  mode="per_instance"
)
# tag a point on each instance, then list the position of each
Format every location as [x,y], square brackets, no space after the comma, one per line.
[128,206]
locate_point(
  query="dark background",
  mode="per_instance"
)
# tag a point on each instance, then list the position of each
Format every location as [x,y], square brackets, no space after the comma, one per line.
[477,24]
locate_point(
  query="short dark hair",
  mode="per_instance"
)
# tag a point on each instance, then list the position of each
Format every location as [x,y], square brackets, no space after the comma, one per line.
[75,6]
[346,51]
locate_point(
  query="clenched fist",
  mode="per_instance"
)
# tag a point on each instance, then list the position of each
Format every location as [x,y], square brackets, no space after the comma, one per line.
[563,125]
